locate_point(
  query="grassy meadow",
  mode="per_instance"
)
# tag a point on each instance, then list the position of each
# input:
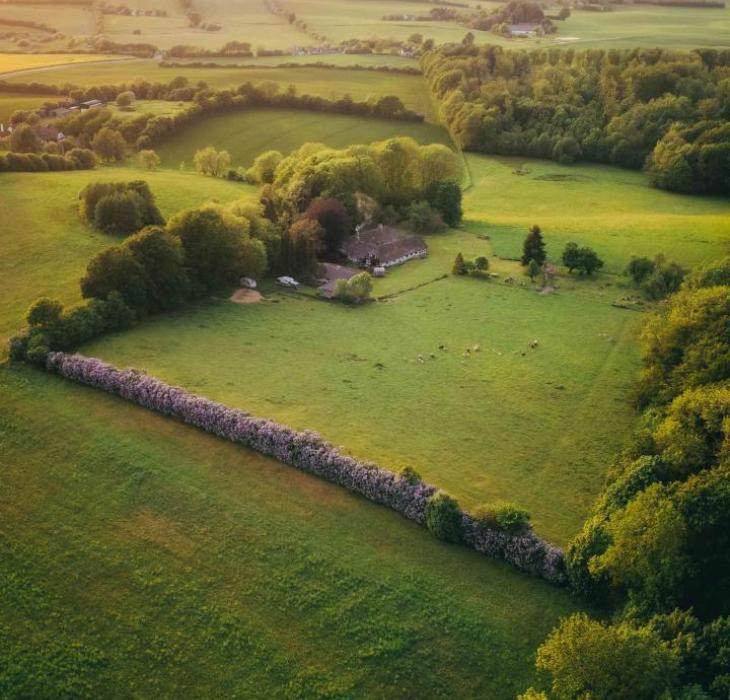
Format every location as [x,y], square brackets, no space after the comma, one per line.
[360,85]
[628,26]
[46,246]
[141,554]
[615,211]
[247,134]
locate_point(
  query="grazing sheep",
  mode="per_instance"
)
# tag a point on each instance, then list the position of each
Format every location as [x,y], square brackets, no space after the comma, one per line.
[533,344]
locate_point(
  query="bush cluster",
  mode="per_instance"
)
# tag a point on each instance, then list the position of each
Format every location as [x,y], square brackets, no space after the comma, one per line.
[75,159]
[119,207]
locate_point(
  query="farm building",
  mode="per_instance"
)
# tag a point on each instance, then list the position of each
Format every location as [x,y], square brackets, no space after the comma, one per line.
[383,246]
[526,29]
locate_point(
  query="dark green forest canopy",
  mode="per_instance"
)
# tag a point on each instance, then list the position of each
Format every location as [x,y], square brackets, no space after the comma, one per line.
[664,110]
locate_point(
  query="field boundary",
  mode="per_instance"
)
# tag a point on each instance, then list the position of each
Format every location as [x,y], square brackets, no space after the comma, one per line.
[309,452]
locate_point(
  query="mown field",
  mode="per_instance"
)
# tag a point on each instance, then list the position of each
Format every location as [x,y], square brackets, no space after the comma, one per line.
[143,555]
[247,134]
[45,245]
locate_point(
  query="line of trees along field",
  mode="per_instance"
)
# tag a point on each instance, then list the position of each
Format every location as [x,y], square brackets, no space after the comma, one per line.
[667,111]
[655,552]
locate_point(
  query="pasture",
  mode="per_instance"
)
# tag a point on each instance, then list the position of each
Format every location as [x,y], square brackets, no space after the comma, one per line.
[13,101]
[613,210]
[45,245]
[322,82]
[247,134]
[139,553]
[485,425]
[628,26]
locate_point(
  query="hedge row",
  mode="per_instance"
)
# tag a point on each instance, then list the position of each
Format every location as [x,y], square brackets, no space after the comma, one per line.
[75,159]
[309,452]
[407,70]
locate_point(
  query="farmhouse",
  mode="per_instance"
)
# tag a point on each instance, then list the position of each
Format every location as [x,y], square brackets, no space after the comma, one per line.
[383,246]
[526,29]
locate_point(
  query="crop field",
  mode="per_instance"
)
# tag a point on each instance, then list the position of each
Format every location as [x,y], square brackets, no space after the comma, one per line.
[10,62]
[247,134]
[242,20]
[360,85]
[47,247]
[138,553]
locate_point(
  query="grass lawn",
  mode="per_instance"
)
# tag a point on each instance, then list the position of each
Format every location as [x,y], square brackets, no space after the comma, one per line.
[247,134]
[490,425]
[47,248]
[141,554]
[614,211]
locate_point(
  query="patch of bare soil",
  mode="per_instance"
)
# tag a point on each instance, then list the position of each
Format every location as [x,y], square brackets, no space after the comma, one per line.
[246,296]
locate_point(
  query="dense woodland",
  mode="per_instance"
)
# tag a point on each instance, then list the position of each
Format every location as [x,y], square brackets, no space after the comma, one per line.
[667,111]
[655,550]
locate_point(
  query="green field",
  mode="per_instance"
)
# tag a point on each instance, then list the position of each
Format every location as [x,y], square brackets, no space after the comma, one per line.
[143,555]
[490,425]
[247,134]
[47,247]
[613,210]
[12,101]
[360,85]
[628,26]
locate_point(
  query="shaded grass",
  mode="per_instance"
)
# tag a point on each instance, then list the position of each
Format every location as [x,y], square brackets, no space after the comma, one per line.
[247,134]
[138,553]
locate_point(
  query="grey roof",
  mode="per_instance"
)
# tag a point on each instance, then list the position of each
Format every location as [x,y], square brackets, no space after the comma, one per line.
[385,243]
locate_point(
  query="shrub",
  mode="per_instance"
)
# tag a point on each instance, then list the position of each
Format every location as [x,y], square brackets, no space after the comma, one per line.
[44,312]
[459,266]
[665,280]
[109,145]
[126,99]
[119,213]
[445,196]
[534,247]
[583,259]
[149,159]
[209,161]
[443,517]
[504,516]
[639,269]
[410,475]
[422,218]
[356,289]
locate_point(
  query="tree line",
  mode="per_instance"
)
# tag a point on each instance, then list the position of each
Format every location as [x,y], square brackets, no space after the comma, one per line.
[655,552]
[665,110]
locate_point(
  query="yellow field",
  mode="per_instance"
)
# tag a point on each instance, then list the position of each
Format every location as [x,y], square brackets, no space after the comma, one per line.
[11,62]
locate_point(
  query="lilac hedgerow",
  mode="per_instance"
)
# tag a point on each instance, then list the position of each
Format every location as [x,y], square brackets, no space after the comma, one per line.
[307,451]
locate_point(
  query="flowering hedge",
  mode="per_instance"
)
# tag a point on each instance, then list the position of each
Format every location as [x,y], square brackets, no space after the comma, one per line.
[306,451]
